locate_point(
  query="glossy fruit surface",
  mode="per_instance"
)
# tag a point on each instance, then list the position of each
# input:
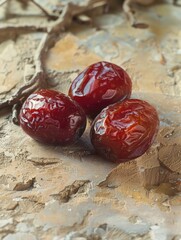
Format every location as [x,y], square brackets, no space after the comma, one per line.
[52,117]
[124,131]
[100,85]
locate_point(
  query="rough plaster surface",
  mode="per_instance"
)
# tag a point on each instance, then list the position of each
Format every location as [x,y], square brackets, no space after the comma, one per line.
[55,193]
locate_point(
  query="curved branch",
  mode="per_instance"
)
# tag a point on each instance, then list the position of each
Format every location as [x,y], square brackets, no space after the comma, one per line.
[38,80]
[130,13]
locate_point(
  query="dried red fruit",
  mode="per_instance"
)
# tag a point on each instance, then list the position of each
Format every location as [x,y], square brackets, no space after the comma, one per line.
[52,117]
[100,85]
[124,131]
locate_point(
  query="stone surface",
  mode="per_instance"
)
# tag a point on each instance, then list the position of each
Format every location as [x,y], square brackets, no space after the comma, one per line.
[67,193]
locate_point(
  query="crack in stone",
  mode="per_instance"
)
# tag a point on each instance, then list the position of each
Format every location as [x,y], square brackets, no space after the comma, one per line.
[44,161]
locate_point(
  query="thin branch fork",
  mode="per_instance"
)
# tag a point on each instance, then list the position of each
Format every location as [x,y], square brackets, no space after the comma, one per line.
[38,80]
[53,17]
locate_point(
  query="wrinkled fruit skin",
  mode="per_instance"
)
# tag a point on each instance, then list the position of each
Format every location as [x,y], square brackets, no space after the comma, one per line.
[100,85]
[124,131]
[52,117]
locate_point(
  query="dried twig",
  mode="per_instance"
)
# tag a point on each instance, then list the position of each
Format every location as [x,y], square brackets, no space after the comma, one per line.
[130,12]
[39,78]
[53,17]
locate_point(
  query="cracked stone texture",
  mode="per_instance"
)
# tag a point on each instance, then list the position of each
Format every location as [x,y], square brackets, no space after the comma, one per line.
[69,192]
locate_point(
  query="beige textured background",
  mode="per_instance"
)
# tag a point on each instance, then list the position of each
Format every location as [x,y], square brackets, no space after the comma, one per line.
[54,193]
